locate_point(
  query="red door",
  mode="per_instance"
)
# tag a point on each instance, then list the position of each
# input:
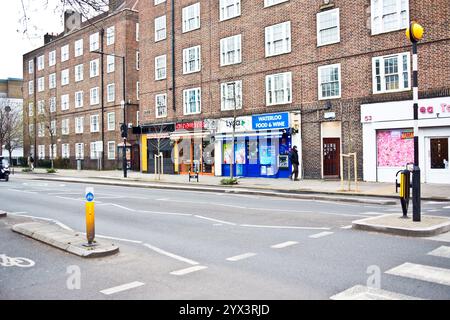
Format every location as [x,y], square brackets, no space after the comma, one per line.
[331,157]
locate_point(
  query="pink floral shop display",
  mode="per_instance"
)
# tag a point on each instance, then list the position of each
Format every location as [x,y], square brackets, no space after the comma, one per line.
[395,148]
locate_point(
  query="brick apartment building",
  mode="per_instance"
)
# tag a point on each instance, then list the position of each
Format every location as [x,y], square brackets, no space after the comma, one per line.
[73,95]
[299,72]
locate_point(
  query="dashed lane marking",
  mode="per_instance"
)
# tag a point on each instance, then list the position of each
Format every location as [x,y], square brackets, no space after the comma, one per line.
[183,272]
[347,227]
[171,255]
[216,220]
[284,245]
[321,235]
[123,287]
[283,227]
[241,257]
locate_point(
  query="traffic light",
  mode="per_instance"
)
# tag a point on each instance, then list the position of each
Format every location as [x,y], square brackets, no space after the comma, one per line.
[124,130]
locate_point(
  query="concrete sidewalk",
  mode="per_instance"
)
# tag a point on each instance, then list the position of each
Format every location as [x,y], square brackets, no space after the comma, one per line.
[437,192]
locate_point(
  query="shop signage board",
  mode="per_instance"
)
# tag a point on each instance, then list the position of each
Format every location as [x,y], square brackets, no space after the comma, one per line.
[243,124]
[190,125]
[272,121]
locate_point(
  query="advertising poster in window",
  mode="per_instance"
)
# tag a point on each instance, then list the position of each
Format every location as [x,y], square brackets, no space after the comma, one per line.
[395,148]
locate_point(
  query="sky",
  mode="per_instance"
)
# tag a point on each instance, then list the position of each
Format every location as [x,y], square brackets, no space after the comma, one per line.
[15,43]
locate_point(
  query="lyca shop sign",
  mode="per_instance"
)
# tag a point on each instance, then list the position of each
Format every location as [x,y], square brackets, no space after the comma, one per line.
[271,121]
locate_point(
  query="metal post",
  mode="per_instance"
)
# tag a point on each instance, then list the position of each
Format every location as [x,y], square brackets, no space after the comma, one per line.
[416,171]
[124,158]
[234,132]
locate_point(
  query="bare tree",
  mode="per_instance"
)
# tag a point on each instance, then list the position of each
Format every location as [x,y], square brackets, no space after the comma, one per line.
[157,143]
[14,132]
[47,125]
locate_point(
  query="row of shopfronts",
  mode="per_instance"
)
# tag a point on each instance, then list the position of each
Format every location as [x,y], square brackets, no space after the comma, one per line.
[261,146]
[262,143]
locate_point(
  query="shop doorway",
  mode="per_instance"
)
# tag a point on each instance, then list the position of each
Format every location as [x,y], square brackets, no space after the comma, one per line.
[437,158]
[331,157]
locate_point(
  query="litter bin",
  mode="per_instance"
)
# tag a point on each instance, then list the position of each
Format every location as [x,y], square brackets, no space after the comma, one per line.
[79,165]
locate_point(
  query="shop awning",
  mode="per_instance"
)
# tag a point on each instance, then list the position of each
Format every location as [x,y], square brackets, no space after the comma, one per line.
[228,136]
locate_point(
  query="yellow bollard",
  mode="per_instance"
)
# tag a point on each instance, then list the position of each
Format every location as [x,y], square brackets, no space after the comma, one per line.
[90,216]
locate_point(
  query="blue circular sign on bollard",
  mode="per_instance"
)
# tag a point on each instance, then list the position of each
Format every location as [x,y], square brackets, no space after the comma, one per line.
[90,197]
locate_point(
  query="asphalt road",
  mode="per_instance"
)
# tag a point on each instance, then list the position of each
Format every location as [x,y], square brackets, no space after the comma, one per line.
[202,245]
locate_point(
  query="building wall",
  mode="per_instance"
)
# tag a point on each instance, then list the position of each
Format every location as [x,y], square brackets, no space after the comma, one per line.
[125,44]
[354,52]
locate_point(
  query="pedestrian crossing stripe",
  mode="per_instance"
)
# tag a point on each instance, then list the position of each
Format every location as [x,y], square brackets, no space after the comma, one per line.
[370,293]
[422,272]
[442,251]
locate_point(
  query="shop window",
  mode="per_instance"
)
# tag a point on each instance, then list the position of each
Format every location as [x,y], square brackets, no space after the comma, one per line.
[395,148]
[439,153]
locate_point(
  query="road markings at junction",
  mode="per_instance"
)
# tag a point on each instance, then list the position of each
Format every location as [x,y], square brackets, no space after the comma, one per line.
[320,235]
[283,227]
[368,293]
[183,272]
[166,213]
[284,245]
[123,287]
[422,272]
[215,220]
[171,255]
[62,225]
[23,191]
[118,239]
[241,257]
[6,261]
[446,207]
[347,227]
[442,251]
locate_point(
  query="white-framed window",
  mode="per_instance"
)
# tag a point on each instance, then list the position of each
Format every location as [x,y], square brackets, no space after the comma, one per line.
[41,107]
[159,1]
[52,81]
[191,60]
[161,67]
[161,105]
[389,15]
[278,39]
[329,81]
[94,123]
[94,96]
[137,31]
[328,27]
[53,127]
[30,66]
[111,150]
[279,88]
[79,72]
[138,60]
[41,84]
[41,152]
[191,17]
[30,109]
[52,58]
[41,63]
[65,151]
[231,95]
[79,125]
[192,101]
[65,102]
[95,149]
[79,99]
[52,152]
[110,35]
[111,92]
[110,64]
[65,77]
[41,129]
[230,50]
[391,73]
[268,3]
[94,42]
[111,118]
[52,104]
[65,127]
[138,89]
[137,118]
[229,9]
[79,46]
[79,151]
[160,28]
[65,53]
[30,87]
[94,68]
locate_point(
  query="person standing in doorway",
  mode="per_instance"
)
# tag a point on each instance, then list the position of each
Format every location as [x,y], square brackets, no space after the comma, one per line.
[31,163]
[293,156]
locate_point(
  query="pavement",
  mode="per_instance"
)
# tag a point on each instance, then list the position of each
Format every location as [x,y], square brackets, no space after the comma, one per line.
[282,187]
[195,245]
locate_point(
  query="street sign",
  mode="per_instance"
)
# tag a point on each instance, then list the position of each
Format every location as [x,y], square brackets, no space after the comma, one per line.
[90,197]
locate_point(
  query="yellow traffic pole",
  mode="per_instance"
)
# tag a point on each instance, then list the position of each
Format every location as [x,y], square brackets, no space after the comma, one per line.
[90,216]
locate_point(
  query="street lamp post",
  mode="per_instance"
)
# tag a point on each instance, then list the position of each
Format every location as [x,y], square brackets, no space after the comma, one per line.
[415,33]
[233,155]
[8,132]
[124,126]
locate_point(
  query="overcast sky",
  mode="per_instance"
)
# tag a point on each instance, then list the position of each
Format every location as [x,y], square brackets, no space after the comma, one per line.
[14,42]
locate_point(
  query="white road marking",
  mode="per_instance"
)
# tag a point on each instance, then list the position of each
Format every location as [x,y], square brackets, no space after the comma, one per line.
[167,213]
[283,227]
[217,224]
[31,192]
[73,199]
[367,293]
[121,288]
[445,237]
[284,244]
[187,270]
[62,225]
[118,239]
[216,220]
[372,213]
[63,193]
[171,255]
[241,257]
[163,199]
[422,272]
[446,207]
[118,206]
[18,213]
[320,235]
[442,251]
[311,212]
[347,227]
